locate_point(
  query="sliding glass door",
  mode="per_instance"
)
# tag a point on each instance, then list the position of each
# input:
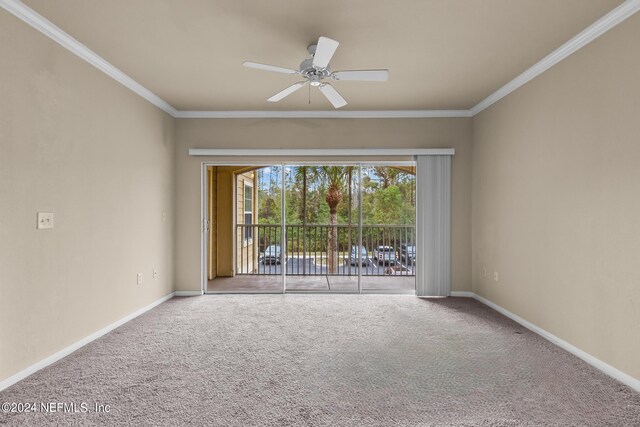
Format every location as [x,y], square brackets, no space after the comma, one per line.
[311,227]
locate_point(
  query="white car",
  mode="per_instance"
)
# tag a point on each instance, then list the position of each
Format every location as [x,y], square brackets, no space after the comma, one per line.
[271,255]
[385,254]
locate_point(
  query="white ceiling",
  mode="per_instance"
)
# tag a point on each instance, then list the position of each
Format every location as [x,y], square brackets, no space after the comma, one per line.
[442,54]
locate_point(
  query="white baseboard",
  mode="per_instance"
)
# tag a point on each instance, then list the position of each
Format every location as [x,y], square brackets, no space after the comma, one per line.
[75,346]
[626,379]
[188,293]
[462,294]
[593,361]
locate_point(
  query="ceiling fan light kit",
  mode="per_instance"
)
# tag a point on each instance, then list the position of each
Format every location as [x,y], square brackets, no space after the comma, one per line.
[317,68]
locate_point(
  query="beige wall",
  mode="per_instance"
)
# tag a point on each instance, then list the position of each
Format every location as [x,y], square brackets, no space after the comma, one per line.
[317,133]
[556,185]
[556,199]
[224,222]
[76,143]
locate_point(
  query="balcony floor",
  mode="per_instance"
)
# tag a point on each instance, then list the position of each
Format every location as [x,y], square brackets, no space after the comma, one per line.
[273,283]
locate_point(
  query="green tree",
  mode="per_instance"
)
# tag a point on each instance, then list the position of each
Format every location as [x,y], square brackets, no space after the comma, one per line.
[333,179]
[388,205]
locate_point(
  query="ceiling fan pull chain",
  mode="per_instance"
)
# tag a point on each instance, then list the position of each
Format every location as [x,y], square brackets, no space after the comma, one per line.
[309,94]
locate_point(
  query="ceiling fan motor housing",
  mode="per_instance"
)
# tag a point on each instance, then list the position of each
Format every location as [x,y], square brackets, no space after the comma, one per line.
[308,70]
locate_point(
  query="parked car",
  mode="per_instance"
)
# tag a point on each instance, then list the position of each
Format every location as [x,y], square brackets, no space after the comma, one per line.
[408,254]
[385,255]
[353,256]
[271,255]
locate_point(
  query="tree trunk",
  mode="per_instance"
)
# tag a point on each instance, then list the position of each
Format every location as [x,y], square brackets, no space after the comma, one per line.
[332,249]
[333,198]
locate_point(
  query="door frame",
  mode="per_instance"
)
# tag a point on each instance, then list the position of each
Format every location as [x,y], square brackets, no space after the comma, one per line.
[264,160]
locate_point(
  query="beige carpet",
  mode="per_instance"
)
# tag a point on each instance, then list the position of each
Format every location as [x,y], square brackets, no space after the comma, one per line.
[325,360]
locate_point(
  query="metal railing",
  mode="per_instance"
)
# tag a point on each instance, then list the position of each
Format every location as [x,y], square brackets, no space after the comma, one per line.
[309,250]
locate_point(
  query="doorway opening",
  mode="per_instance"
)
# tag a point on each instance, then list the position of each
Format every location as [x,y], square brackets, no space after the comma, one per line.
[339,228]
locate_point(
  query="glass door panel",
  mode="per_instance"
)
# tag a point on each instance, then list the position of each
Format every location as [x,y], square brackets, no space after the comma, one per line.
[322,228]
[388,227]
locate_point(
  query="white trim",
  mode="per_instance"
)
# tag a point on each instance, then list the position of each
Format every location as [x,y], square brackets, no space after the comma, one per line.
[626,379]
[46,27]
[189,293]
[329,114]
[283,228]
[247,241]
[204,236]
[55,33]
[294,162]
[75,346]
[463,294]
[595,30]
[302,152]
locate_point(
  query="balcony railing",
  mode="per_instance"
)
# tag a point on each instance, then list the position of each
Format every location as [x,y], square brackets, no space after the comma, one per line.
[308,250]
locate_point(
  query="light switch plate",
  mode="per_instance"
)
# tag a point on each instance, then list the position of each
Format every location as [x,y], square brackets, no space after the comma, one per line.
[45,220]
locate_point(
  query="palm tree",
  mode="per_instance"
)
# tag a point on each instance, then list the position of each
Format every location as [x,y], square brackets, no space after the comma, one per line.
[332,177]
[388,175]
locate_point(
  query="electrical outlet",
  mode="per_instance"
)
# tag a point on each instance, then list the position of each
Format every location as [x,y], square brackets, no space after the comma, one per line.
[484,271]
[495,276]
[45,220]
[139,278]
[155,273]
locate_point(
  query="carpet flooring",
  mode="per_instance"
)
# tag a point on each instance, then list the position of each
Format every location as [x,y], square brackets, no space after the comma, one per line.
[324,360]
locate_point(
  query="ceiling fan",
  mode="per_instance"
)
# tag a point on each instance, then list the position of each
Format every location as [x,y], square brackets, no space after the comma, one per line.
[316,69]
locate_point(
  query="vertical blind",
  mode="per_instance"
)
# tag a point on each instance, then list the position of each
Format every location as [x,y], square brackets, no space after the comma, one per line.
[433,226]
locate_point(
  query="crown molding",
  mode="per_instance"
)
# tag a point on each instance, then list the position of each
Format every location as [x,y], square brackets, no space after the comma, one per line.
[46,27]
[49,29]
[344,114]
[595,30]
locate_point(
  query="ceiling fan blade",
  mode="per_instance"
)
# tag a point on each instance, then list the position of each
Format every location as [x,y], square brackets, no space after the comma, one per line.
[362,75]
[332,95]
[324,51]
[269,68]
[288,91]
